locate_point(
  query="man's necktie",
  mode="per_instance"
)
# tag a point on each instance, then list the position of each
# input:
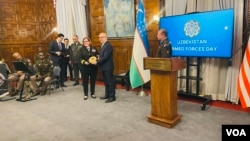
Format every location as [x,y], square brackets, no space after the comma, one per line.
[60,46]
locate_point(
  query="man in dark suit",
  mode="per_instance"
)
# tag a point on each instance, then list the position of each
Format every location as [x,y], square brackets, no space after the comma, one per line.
[68,64]
[106,64]
[57,51]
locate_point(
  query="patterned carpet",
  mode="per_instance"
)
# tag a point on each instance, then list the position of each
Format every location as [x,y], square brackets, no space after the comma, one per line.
[220,104]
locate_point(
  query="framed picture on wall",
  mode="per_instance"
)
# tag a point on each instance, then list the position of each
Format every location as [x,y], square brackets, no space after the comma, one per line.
[119,18]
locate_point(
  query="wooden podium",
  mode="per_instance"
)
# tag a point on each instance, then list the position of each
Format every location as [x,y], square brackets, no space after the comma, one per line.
[164,89]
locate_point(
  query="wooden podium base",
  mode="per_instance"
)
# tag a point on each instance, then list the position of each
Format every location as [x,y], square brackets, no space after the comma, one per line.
[164,122]
[163,74]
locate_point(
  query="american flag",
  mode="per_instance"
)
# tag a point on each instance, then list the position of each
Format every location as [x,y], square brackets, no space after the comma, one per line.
[137,74]
[244,79]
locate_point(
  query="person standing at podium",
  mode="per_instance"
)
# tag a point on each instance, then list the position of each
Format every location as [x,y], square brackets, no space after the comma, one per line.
[165,48]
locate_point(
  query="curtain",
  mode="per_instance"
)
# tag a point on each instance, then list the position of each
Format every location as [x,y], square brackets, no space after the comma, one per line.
[71,18]
[79,16]
[219,75]
[233,71]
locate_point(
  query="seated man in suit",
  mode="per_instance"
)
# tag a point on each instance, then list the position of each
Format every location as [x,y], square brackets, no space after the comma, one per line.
[18,75]
[43,69]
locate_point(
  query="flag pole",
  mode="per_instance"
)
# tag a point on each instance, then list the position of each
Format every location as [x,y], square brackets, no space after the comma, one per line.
[142,93]
[137,74]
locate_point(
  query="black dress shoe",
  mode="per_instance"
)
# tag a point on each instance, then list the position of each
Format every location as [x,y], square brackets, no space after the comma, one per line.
[110,100]
[75,84]
[104,97]
[93,96]
[85,97]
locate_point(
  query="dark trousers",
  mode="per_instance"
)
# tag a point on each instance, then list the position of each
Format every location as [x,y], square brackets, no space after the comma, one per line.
[108,77]
[76,69]
[68,65]
[62,64]
[89,75]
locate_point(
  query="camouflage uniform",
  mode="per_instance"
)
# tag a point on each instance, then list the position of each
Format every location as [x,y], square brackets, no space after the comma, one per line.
[20,78]
[165,49]
[36,57]
[44,71]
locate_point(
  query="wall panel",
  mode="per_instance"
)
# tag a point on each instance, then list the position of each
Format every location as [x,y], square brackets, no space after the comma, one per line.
[24,25]
[123,47]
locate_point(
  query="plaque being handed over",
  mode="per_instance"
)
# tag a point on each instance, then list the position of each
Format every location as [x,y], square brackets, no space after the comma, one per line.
[92,60]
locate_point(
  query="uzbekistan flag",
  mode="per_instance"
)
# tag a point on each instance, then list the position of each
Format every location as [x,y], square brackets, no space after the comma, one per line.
[137,74]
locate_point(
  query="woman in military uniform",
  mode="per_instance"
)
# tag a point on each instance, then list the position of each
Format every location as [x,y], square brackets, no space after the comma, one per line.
[89,55]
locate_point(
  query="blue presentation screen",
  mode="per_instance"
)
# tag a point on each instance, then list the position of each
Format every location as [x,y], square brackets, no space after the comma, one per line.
[205,34]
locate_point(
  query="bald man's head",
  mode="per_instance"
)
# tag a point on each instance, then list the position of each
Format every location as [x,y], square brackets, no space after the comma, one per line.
[103,37]
[17,55]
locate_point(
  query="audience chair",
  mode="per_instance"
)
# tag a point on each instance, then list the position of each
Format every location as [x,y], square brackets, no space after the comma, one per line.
[54,82]
[26,83]
[123,78]
[26,89]
[3,81]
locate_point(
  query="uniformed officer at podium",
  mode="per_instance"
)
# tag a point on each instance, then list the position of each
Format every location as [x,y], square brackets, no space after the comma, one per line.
[165,48]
